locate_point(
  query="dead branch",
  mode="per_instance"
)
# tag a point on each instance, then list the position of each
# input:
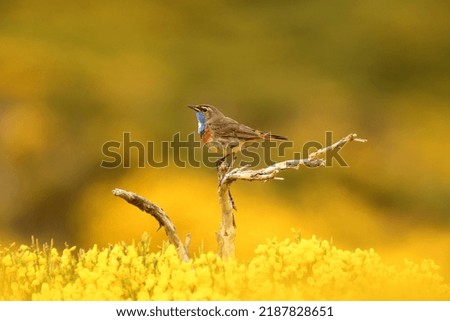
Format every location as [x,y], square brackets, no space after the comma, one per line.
[226,236]
[272,171]
[162,218]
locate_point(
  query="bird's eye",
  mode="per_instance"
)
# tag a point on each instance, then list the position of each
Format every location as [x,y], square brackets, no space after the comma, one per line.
[204,109]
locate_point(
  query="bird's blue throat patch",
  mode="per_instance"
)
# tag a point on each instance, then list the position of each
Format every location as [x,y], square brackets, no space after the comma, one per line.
[201,123]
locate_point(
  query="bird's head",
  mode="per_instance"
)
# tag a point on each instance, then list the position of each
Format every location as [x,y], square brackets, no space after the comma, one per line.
[205,111]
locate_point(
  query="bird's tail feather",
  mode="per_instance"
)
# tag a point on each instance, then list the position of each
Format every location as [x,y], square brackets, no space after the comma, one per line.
[268,136]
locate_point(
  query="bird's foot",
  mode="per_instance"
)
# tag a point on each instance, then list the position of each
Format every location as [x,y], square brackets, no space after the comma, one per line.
[223,163]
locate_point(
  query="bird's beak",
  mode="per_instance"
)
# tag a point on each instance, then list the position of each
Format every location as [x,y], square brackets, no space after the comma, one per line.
[194,107]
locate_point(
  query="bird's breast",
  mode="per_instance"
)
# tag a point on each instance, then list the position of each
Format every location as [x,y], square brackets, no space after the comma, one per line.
[206,136]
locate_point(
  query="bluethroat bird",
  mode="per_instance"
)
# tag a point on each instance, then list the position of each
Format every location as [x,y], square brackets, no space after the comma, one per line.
[224,132]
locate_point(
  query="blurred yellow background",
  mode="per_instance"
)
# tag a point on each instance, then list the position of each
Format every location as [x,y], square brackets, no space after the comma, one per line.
[74,75]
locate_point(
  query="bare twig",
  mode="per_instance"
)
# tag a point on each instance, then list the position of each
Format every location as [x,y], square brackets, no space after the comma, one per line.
[272,171]
[162,218]
[338,145]
[226,236]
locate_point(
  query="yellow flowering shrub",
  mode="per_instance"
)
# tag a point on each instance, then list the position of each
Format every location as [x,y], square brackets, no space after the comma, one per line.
[298,269]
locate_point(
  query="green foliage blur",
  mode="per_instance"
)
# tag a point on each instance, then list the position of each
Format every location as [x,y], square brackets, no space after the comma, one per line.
[76,74]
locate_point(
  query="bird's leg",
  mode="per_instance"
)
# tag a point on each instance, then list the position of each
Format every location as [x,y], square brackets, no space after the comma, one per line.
[223,168]
[222,161]
[233,159]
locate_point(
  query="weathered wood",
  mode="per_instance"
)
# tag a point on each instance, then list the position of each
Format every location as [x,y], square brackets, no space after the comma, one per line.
[162,218]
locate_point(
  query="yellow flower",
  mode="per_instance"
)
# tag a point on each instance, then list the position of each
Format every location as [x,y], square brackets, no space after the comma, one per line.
[302,269]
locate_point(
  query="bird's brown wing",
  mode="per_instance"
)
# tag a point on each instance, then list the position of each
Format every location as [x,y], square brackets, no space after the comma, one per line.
[228,127]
